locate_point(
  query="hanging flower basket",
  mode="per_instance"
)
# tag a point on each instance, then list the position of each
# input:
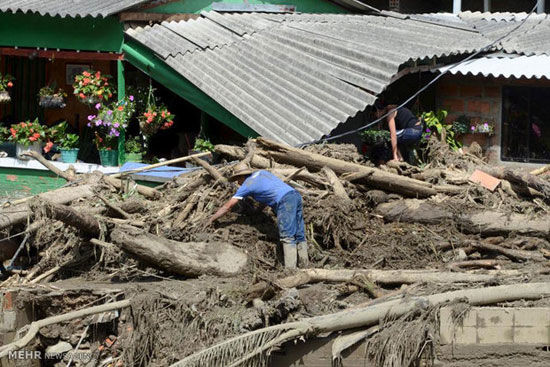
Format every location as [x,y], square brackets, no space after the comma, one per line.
[6,82]
[154,119]
[5,97]
[92,87]
[53,101]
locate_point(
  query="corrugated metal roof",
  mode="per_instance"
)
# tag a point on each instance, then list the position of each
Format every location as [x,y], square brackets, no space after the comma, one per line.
[530,67]
[295,77]
[71,8]
[532,38]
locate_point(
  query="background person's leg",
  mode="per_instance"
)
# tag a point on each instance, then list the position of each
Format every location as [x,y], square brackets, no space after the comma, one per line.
[300,235]
[286,222]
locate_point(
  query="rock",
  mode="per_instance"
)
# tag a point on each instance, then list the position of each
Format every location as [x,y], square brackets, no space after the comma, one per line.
[59,348]
[460,255]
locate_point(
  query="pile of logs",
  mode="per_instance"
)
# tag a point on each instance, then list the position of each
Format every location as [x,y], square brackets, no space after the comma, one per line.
[100,219]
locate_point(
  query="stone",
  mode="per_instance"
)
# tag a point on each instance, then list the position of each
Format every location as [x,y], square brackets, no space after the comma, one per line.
[59,348]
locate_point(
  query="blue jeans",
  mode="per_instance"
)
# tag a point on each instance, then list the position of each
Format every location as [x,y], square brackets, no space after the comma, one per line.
[410,136]
[289,218]
[407,140]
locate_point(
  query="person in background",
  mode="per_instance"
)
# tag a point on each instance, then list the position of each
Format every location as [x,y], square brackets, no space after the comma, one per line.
[285,201]
[405,128]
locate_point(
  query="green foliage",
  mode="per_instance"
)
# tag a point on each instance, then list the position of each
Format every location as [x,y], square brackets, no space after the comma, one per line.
[27,132]
[134,145]
[6,81]
[461,125]
[375,137]
[203,145]
[436,125]
[64,140]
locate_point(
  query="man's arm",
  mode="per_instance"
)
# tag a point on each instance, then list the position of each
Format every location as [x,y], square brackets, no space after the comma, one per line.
[223,210]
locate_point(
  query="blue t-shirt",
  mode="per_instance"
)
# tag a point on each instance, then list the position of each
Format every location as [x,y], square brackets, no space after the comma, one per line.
[264,187]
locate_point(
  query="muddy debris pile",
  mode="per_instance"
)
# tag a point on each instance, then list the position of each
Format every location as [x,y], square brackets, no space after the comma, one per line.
[173,289]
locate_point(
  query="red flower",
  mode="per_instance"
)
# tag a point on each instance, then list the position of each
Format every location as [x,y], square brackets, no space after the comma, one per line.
[13,131]
[120,108]
[86,74]
[98,74]
[10,84]
[163,114]
[149,120]
[36,135]
[81,95]
[48,147]
[110,95]
[32,138]
[22,124]
[86,81]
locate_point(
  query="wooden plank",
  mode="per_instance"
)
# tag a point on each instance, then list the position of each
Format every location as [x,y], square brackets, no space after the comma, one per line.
[51,54]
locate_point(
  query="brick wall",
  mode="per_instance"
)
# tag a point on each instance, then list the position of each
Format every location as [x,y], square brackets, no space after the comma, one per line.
[475,98]
[481,97]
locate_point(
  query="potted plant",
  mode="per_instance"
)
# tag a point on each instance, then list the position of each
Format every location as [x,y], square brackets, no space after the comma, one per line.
[155,118]
[92,87]
[6,82]
[377,145]
[109,122]
[68,143]
[134,150]
[438,128]
[27,136]
[478,130]
[48,97]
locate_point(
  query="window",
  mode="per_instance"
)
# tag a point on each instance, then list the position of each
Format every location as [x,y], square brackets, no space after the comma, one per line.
[525,124]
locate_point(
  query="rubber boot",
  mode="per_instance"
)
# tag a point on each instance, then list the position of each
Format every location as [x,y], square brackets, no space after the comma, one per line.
[303,259]
[290,255]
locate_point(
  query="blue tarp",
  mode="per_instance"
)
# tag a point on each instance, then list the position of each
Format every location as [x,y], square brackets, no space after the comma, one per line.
[163,172]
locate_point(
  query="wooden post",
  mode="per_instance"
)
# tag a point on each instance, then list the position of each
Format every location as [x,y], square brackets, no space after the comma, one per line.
[121,89]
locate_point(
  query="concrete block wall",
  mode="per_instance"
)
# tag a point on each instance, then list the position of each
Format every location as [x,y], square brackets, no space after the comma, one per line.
[496,325]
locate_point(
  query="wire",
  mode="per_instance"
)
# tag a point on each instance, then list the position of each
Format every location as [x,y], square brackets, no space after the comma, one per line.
[329,138]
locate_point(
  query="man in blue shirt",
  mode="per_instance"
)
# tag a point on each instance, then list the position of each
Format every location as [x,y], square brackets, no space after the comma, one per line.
[286,202]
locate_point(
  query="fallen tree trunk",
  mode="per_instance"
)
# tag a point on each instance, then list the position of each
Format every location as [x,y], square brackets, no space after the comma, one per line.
[49,165]
[238,153]
[143,190]
[520,178]
[380,277]
[514,255]
[372,176]
[189,259]
[87,224]
[35,326]
[241,349]
[337,186]
[18,213]
[487,223]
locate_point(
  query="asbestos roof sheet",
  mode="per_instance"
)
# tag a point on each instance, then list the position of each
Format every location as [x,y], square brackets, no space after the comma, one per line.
[69,8]
[531,38]
[296,77]
[507,66]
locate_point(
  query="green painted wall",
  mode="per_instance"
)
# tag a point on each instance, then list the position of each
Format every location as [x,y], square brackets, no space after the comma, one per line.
[142,58]
[16,182]
[196,6]
[86,34]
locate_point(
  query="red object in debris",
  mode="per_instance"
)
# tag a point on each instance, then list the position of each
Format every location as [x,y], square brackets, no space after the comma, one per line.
[485,180]
[8,301]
